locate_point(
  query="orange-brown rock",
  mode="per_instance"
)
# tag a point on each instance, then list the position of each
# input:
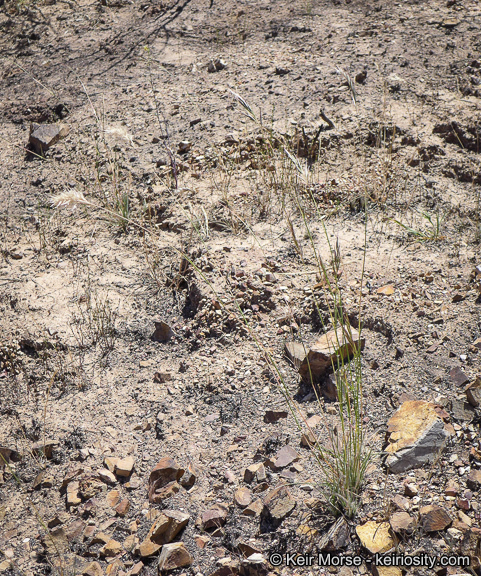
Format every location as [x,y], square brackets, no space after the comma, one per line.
[328,350]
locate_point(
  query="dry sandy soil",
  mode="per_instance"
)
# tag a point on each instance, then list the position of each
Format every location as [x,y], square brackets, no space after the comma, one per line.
[367,133]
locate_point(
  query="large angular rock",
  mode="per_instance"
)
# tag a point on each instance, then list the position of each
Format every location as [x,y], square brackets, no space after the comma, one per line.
[416,435]
[163,531]
[278,504]
[375,537]
[215,517]
[163,479]
[334,346]
[174,556]
[42,136]
[434,518]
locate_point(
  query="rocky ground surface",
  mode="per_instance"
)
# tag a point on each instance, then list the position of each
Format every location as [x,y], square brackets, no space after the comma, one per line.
[149,337]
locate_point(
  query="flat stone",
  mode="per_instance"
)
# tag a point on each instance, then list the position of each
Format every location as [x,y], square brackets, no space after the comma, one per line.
[309,438]
[402,522]
[56,543]
[106,476]
[286,456]
[123,507]
[163,479]
[401,503]
[473,392]
[214,518]
[416,435]
[452,488]
[73,494]
[242,497]
[473,480]
[125,466]
[278,504]
[434,518]
[375,537]
[113,498]
[461,410]
[43,136]
[253,509]
[111,548]
[387,290]
[325,353]
[111,462]
[93,569]
[174,556]
[296,352]
[458,376]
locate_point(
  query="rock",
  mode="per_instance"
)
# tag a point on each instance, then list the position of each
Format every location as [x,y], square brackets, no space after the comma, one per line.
[386,571]
[452,488]
[184,146]
[45,448]
[201,541]
[375,537]
[174,556]
[215,517]
[338,536]
[136,569]
[285,456]
[106,476]
[111,548]
[163,531]
[163,332]
[125,466]
[250,472]
[434,518]
[123,507]
[401,502]
[471,546]
[43,480]
[216,65]
[272,416]
[417,435]
[56,543]
[473,392]
[163,479]
[410,488]
[73,494]
[387,290]
[278,504]
[327,351]
[295,352]
[473,480]
[189,477]
[93,569]
[113,498]
[402,523]
[308,438]
[255,565]
[253,509]
[111,462]
[242,497]
[458,376]
[43,136]
[461,410]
